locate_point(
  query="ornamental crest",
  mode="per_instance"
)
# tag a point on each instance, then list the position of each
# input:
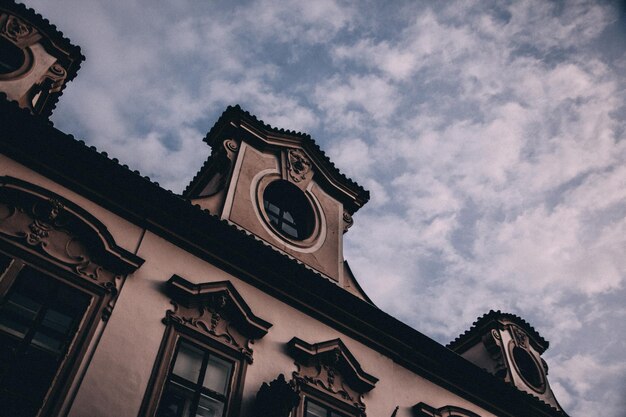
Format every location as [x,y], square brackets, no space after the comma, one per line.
[298,164]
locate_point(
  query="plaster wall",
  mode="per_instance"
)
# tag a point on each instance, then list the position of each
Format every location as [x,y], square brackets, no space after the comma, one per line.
[117,375]
[116,381]
[242,207]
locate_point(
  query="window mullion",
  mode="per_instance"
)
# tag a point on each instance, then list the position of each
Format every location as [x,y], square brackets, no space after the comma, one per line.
[198,388]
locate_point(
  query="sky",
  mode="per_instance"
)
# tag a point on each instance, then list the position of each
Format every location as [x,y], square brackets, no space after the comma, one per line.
[489,133]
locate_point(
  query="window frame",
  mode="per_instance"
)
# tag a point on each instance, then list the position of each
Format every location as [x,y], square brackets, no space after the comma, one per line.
[62,240]
[165,363]
[68,368]
[326,401]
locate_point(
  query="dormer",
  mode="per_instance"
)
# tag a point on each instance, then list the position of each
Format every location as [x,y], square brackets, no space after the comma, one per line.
[506,346]
[279,186]
[36,61]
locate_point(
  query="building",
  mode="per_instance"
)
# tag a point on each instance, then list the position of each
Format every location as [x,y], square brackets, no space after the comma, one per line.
[120,298]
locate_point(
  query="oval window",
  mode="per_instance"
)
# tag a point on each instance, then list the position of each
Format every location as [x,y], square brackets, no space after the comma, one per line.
[528,367]
[288,210]
[11,57]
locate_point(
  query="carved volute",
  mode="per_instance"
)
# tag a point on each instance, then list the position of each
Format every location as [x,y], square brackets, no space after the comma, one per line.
[36,60]
[217,311]
[330,369]
[45,224]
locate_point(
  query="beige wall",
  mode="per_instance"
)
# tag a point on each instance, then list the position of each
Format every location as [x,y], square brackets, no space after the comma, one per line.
[115,381]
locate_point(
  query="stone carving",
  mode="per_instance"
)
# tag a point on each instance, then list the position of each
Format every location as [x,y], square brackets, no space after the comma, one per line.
[347,221]
[215,309]
[208,319]
[424,410]
[298,164]
[56,74]
[47,226]
[493,344]
[520,337]
[16,30]
[330,368]
[276,399]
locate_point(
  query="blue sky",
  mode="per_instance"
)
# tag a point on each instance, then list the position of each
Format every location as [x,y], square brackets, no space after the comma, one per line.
[489,133]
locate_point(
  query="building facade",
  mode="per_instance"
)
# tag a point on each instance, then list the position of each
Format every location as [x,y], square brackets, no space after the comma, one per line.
[120,298]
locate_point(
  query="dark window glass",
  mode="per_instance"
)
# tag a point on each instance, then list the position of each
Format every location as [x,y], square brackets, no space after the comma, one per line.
[312,409]
[11,57]
[4,263]
[38,321]
[527,367]
[198,384]
[288,210]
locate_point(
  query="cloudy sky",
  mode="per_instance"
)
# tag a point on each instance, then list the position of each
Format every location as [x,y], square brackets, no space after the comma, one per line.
[490,134]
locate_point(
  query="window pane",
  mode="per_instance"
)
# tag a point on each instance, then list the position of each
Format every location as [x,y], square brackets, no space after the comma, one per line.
[217,375]
[209,407]
[176,401]
[188,362]
[314,410]
[4,262]
[31,347]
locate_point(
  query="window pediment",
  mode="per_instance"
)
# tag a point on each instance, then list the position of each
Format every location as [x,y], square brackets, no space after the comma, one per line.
[44,222]
[218,311]
[425,410]
[331,368]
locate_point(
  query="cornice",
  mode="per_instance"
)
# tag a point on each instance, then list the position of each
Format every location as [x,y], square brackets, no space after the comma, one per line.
[35,143]
[236,117]
[494,319]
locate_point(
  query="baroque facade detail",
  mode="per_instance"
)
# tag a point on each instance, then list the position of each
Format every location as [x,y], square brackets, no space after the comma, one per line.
[298,164]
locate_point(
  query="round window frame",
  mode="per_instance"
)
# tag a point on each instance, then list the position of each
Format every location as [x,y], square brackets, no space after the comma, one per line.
[24,69]
[318,230]
[542,387]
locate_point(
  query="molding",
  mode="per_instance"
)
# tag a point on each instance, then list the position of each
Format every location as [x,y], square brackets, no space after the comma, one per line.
[216,310]
[424,410]
[332,369]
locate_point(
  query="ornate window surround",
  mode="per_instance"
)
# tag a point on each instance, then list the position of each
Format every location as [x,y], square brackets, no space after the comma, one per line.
[329,374]
[50,233]
[425,410]
[214,316]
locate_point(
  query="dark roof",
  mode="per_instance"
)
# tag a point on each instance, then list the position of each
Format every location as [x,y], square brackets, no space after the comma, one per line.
[491,319]
[236,115]
[53,35]
[35,143]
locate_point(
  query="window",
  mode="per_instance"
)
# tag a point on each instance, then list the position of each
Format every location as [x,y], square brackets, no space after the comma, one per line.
[54,296]
[12,58]
[288,210]
[201,365]
[39,319]
[198,383]
[313,409]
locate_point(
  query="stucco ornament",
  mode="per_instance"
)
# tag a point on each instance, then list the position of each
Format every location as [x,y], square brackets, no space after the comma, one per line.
[299,165]
[16,30]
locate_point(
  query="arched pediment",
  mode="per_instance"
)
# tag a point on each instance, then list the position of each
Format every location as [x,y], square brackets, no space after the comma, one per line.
[44,222]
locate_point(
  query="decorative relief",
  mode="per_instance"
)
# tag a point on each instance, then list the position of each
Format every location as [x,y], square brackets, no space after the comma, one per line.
[216,310]
[19,32]
[41,222]
[42,227]
[56,74]
[520,337]
[347,221]
[276,399]
[325,375]
[330,368]
[298,164]
[208,319]
[231,145]
[493,344]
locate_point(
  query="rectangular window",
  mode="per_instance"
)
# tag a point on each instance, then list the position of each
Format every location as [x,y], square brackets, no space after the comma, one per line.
[39,318]
[314,409]
[198,383]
